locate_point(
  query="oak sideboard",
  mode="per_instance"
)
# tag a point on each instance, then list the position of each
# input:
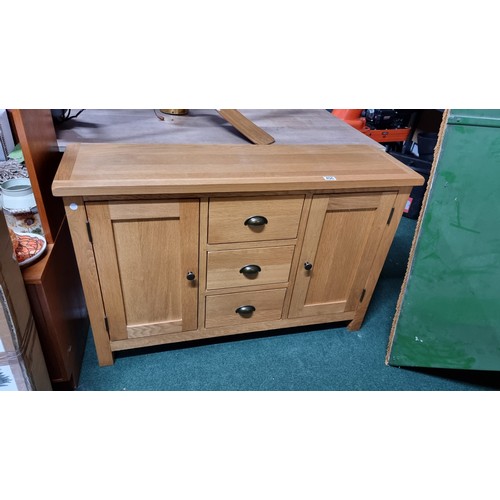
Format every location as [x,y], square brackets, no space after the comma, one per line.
[183,242]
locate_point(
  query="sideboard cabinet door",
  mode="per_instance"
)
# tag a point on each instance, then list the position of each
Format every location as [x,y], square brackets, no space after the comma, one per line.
[342,236]
[147,260]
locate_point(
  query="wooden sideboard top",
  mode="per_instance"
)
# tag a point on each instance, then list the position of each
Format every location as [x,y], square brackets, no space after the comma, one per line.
[143,169]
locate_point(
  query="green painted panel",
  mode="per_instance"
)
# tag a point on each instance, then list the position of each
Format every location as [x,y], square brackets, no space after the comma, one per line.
[450,315]
[480,117]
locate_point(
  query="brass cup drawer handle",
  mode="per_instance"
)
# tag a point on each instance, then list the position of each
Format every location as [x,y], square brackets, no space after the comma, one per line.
[256,221]
[251,270]
[245,310]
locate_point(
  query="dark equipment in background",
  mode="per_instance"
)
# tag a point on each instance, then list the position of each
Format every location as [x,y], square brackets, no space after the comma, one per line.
[397,129]
[422,164]
[382,125]
[377,119]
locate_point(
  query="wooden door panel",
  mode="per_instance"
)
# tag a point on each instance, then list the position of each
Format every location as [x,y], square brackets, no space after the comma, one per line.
[143,252]
[338,255]
[148,259]
[342,235]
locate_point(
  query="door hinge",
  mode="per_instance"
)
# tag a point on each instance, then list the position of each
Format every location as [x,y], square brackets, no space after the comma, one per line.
[106,324]
[89,231]
[390,216]
[362,295]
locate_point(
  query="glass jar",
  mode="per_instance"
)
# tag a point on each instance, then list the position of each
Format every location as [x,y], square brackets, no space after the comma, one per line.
[19,206]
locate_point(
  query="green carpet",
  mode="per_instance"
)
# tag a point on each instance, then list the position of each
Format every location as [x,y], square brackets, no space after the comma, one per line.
[315,358]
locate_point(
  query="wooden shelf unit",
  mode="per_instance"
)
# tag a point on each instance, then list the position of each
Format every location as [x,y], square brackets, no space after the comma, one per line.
[53,283]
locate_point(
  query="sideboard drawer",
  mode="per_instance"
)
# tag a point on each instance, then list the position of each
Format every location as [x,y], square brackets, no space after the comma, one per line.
[229,309]
[233,220]
[249,266]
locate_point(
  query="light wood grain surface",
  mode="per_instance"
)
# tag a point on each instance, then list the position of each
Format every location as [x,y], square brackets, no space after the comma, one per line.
[224,266]
[221,309]
[227,216]
[246,126]
[84,251]
[340,242]
[135,169]
[143,257]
